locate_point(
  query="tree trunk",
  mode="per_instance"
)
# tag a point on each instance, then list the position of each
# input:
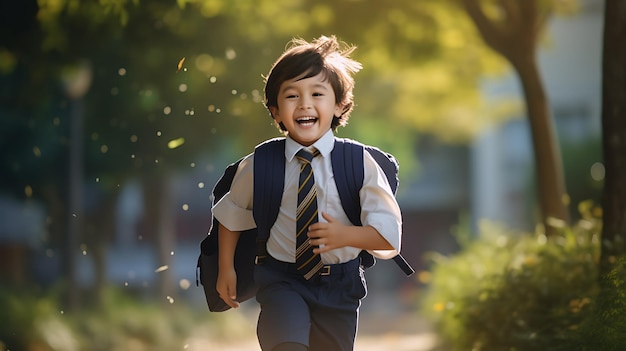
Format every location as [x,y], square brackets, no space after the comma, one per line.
[100,231]
[614,134]
[161,222]
[548,162]
[515,36]
[75,204]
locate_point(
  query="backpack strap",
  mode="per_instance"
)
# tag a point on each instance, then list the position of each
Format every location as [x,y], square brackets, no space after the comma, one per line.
[269,183]
[208,246]
[348,177]
[388,164]
[348,168]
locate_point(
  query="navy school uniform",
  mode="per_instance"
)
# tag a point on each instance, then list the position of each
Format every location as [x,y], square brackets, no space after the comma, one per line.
[322,312]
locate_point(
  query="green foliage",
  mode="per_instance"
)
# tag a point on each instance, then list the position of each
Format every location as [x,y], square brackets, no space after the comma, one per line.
[604,331]
[121,322]
[516,291]
[22,313]
[423,63]
[580,159]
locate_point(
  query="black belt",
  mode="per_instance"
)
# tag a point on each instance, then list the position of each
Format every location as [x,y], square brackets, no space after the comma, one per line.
[328,269]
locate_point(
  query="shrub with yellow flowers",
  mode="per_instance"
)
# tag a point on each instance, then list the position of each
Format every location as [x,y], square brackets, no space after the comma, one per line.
[507,290]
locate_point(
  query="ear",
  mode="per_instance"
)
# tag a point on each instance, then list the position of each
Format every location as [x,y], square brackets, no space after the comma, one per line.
[274,111]
[339,110]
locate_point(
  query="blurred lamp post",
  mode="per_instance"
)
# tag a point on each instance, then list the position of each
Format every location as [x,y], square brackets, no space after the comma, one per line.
[76,81]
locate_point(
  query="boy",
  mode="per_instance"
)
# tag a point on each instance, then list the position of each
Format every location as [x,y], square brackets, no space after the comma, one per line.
[311,283]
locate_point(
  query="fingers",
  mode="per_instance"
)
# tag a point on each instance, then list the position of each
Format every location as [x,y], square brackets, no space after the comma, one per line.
[231,296]
[230,299]
[328,217]
[321,249]
[322,234]
[321,244]
[227,289]
[322,225]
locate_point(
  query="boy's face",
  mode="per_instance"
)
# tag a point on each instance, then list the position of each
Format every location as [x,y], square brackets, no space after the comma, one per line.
[306,108]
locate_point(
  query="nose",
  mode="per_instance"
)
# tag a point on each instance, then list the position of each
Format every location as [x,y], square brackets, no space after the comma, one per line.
[305,103]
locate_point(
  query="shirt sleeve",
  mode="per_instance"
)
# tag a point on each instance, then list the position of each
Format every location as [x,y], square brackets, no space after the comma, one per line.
[379,207]
[234,210]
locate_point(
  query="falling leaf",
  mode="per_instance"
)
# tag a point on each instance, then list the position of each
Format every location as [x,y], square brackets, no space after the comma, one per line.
[28,191]
[180,64]
[161,269]
[172,144]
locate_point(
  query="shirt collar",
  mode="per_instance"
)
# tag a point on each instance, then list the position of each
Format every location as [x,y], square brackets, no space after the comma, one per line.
[324,145]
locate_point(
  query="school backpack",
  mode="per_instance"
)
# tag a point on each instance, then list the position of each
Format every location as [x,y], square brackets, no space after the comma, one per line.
[269,169]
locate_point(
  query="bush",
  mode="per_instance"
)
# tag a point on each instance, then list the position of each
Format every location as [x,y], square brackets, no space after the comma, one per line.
[515,291]
[24,315]
[606,329]
[122,322]
[34,321]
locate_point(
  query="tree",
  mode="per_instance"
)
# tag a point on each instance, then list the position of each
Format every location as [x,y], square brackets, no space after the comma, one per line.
[604,330]
[139,102]
[513,29]
[614,135]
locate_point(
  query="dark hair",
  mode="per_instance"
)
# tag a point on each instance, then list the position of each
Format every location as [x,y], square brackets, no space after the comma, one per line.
[324,55]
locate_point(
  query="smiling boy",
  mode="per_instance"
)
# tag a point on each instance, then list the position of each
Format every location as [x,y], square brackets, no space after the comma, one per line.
[311,283]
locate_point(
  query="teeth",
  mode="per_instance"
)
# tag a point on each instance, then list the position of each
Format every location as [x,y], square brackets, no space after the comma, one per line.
[306,119]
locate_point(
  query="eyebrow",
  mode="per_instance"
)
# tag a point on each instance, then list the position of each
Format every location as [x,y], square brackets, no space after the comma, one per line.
[316,85]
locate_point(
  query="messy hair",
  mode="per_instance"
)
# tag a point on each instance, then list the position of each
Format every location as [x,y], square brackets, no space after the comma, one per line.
[325,55]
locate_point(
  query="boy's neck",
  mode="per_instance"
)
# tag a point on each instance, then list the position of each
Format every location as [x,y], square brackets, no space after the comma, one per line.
[325,135]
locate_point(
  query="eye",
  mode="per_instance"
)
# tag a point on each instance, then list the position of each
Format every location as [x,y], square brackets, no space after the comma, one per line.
[291,96]
[318,94]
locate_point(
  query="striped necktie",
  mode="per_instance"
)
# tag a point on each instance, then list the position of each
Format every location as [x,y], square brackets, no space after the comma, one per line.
[307,262]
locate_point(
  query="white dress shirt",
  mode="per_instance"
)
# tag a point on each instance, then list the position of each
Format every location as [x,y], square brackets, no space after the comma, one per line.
[379,208]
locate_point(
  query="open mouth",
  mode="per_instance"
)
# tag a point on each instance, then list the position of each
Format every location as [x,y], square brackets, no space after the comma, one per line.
[306,121]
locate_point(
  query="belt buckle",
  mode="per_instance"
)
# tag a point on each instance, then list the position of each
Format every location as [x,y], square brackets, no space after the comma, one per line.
[325,271]
[259,260]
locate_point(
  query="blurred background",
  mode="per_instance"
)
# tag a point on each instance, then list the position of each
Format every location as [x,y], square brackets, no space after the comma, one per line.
[117,117]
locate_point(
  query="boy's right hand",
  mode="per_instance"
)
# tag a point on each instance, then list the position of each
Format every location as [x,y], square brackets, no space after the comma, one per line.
[227,286]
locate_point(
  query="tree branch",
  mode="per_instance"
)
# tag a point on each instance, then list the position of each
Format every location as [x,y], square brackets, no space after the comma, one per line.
[515,35]
[529,17]
[488,30]
[512,15]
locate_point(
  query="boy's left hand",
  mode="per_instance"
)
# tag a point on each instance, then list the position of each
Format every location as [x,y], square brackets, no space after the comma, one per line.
[327,236]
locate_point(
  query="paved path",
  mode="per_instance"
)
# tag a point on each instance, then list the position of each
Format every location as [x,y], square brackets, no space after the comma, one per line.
[385,342]
[381,329]
[389,342]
